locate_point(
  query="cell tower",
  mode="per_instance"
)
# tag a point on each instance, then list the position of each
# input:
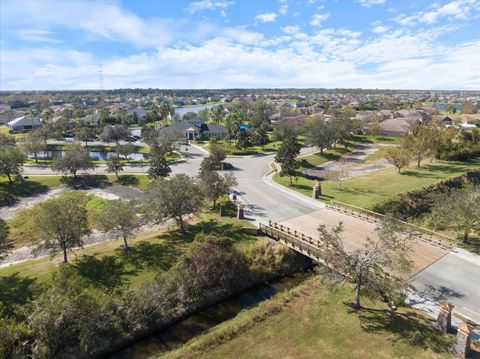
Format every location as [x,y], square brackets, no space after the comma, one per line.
[100,76]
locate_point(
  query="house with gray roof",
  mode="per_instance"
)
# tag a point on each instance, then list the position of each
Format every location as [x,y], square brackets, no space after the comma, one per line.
[196,127]
[24,123]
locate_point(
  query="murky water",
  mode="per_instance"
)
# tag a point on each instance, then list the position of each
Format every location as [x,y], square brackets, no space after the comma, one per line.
[94,155]
[196,324]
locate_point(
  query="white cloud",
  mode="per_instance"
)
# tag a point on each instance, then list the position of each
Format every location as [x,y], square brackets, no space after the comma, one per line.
[380,29]
[201,5]
[370,3]
[292,29]
[267,17]
[36,35]
[457,9]
[283,9]
[317,19]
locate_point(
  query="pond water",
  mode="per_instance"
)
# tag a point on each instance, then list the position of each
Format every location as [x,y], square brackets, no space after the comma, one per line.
[183,110]
[94,155]
[200,322]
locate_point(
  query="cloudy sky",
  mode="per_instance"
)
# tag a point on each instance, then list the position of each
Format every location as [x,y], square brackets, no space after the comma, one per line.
[397,44]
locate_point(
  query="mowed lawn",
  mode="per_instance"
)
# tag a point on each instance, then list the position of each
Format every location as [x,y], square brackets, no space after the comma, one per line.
[106,263]
[312,321]
[367,190]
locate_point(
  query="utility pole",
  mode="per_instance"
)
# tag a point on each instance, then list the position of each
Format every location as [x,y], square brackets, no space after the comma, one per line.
[100,76]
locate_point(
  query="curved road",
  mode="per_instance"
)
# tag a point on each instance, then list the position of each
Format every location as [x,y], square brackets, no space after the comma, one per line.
[440,275]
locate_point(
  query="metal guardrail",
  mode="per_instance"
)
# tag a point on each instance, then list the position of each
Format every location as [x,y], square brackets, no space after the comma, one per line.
[420,233]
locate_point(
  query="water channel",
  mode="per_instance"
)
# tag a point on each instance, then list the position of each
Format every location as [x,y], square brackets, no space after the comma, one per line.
[94,155]
[196,324]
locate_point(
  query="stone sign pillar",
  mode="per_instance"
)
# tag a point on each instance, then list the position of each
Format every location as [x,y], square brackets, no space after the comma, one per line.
[317,191]
[240,212]
[461,346]
[443,324]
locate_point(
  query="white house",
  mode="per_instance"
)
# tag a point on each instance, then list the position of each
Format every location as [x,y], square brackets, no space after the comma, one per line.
[24,123]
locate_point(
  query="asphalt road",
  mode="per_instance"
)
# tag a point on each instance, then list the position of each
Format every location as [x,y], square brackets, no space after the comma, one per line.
[454,277]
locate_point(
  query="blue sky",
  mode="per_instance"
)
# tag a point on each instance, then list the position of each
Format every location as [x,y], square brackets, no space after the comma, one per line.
[396,44]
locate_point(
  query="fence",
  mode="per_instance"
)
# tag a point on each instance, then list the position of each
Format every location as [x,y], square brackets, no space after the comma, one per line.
[420,233]
[295,240]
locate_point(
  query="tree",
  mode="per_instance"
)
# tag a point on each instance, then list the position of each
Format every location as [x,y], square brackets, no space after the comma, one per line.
[114,133]
[287,157]
[458,211]
[34,144]
[5,243]
[174,198]
[11,162]
[164,111]
[63,223]
[6,140]
[214,185]
[341,172]
[468,108]
[125,150]
[114,165]
[75,158]
[418,143]
[44,132]
[217,114]
[120,217]
[320,133]
[244,139]
[399,157]
[85,134]
[376,269]
[158,164]
[215,159]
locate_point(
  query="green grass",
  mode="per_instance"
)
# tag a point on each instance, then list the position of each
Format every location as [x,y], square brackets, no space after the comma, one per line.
[367,190]
[316,159]
[107,264]
[313,321]
[23,230]
[230,149]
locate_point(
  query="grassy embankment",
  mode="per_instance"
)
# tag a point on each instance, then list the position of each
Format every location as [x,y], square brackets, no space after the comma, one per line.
[106,263]
[369,189]
[312,321]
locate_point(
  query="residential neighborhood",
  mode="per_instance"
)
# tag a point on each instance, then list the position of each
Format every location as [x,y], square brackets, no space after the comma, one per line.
[227,179]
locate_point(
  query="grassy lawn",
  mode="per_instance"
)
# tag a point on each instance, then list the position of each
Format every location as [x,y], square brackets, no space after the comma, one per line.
[106,263]
[22,227]
[316,159]
[254,150]
[367,190]
[312,321]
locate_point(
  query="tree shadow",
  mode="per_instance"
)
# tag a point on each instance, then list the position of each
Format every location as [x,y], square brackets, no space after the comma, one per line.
[9,192]
[417,174]
[86,181]
[410,328]
[128,180]
[473,245]
[107,271]
[15,292]
[438,294]
[154,256]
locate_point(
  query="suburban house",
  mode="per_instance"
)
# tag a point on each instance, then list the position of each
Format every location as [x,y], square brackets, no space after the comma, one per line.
[24,123]
[7,115]
[395,127]
[196,127]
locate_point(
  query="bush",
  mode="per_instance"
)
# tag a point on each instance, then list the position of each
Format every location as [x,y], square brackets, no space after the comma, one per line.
[415,204]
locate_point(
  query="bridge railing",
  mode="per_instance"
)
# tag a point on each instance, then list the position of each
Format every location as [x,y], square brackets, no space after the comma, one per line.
[423,234]
[296,240]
